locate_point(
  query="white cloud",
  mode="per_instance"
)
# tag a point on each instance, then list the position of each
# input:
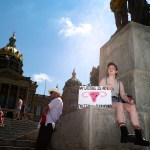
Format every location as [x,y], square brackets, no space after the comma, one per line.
[84,52]
[41,77]
[87,49]
[70,29]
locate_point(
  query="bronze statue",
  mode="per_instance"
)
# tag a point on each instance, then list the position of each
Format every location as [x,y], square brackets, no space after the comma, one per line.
[138,9]
[119,7]
[147,14]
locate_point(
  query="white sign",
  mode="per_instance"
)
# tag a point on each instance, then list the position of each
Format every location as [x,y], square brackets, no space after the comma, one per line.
[94,95]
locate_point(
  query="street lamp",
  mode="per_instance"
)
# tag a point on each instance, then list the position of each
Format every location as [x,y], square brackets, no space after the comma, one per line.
[45,86]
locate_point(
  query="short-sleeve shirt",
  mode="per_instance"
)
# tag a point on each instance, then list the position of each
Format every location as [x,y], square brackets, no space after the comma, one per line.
[56,106]
[19,104]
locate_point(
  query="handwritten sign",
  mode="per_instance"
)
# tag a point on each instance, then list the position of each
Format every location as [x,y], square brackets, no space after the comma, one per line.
[94,95]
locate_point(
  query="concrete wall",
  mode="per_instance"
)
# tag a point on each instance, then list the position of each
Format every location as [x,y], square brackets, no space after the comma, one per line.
[94,128]
[130,50]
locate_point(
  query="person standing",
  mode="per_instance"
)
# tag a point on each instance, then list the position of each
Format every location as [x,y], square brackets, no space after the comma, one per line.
[1,118]
[119,8]
[22,111]
[19,105]
[53,112]
[117,89]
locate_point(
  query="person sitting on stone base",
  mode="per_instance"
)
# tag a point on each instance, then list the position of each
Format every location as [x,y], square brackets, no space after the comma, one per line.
[117,89]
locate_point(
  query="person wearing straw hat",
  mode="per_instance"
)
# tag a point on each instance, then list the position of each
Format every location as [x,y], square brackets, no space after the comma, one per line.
[53,112]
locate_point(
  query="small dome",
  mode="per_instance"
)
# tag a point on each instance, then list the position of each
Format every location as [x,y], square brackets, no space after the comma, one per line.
[73,81]
[10,57]
[11,49]
[12,41]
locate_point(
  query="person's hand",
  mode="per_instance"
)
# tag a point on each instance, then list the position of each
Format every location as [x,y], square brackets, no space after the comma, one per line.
[130,100]
[109,87]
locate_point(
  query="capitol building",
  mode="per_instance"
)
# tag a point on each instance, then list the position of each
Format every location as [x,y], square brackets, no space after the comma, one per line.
[14,84]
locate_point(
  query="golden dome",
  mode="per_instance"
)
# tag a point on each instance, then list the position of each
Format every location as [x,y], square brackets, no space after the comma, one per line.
[10,49]
[10,57]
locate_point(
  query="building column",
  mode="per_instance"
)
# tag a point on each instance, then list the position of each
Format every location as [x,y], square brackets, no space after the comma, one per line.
[8,95]
[27,99]
[27,95]
[0,91]
[17,97]
[0,87]
[33,103]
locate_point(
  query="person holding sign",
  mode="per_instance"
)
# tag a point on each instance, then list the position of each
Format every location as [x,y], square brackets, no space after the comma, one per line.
[117,90]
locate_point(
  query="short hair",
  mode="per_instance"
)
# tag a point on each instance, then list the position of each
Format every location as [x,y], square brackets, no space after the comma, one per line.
[113,64]
[20,97]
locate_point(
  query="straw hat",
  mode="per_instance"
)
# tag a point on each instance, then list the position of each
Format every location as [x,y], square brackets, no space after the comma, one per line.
[54,90]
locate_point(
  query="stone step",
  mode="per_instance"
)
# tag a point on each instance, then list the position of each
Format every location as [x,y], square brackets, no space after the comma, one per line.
[16,128]
[18,143]
[15,148]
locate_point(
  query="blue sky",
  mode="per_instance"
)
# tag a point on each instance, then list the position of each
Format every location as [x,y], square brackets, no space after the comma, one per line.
[56,36]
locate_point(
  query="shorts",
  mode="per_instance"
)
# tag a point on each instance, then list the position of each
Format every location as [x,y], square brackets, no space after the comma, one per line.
[115,99]
[18,110]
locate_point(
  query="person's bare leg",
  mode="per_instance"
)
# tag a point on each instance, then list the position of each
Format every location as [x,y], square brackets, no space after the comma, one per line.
[139,139]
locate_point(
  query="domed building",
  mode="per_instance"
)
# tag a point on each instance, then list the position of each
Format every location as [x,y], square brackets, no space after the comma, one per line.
[94,76]
[10,57]
[12,82]
[70,94]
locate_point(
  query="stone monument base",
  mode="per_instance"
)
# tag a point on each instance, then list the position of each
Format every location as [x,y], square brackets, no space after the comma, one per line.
[94,128]
[129,49]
